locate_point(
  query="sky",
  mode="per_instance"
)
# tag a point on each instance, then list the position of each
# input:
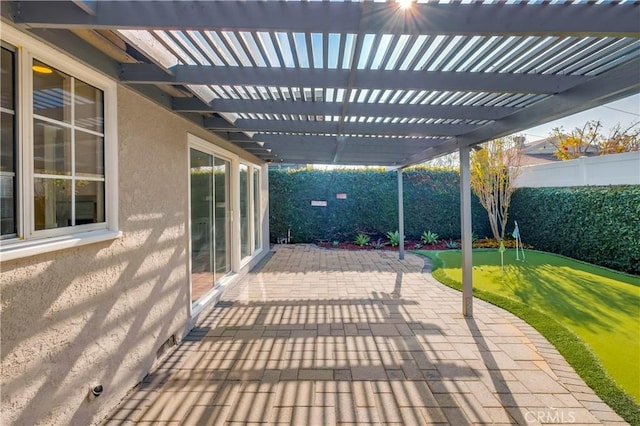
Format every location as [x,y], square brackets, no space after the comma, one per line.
[625,111]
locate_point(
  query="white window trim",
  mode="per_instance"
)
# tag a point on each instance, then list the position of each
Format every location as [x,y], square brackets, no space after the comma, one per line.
[30,242]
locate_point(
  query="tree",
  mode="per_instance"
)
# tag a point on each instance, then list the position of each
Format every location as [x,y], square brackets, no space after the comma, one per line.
[621,139]
[493,171]
[449,161]
[579,142]
[590,139]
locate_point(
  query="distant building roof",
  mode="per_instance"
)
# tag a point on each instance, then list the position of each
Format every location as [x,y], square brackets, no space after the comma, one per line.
[543,151]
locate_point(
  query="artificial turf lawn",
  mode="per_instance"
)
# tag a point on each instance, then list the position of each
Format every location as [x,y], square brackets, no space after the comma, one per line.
[599,305]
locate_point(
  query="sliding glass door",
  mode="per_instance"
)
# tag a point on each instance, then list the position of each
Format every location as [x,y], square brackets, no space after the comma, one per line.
[210,231]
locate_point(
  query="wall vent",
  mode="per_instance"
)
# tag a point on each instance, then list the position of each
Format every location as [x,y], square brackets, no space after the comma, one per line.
[168,344]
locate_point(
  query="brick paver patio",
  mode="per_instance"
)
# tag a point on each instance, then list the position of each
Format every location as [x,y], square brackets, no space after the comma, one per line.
[320,337]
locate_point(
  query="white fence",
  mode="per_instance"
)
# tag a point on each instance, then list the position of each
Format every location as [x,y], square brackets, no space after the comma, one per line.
[614,169]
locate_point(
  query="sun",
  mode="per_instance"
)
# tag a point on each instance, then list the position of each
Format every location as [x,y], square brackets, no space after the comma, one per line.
[405,4]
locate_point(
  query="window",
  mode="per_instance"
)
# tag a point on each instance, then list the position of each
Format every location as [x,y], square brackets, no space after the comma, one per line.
[68,150]
[58,159]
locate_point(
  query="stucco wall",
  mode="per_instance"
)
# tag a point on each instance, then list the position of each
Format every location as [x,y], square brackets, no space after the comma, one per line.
[99,313]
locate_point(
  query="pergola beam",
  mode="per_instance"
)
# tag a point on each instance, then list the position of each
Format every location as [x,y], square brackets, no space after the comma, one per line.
[329,127]
[249,106]
[341,17]
[338,78]
[356,150]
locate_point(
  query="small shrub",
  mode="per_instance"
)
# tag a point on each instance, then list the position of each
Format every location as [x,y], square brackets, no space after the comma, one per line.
[452,245]
[394,238]
[335,243]
[429,237]
[378,244]
[418,246]
[362,240]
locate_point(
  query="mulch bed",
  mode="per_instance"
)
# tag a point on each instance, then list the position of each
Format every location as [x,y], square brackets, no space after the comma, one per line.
[408,245]
[488,243]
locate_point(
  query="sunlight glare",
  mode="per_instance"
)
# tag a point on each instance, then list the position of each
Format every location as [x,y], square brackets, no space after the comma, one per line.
[405,4]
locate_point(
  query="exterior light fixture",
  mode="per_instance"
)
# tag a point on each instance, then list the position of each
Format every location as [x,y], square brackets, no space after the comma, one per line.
[41,69]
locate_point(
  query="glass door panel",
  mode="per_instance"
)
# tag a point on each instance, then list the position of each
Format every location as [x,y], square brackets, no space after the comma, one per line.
[256,209]
[202,224]
[245,244]
[210,230]
[222,218]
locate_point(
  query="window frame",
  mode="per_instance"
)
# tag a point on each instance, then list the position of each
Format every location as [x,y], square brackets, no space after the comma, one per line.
[16,202]
[29,241]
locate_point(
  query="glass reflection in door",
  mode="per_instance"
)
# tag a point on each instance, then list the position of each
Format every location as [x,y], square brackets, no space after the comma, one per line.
[209,227]
[245,245]
[222,217]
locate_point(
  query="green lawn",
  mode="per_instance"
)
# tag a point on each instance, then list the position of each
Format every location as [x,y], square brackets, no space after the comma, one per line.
[601,306]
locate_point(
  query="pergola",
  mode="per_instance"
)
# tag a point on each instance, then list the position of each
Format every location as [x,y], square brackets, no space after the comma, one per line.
[357,83]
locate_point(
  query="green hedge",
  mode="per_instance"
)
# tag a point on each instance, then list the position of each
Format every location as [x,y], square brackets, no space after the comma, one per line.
[431,202]
[599,225]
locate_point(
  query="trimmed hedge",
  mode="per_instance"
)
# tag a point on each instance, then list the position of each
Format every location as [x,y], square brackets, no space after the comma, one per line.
[599,225]
[431,202]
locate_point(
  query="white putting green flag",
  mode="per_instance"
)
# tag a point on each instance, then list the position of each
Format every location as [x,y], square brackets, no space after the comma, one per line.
[516,235]
[516,232]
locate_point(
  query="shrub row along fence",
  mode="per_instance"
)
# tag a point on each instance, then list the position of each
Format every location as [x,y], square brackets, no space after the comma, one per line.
[599,225]
[318,205]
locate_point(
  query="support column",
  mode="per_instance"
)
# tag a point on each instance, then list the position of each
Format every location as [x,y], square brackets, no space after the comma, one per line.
[465,227]
[401,214]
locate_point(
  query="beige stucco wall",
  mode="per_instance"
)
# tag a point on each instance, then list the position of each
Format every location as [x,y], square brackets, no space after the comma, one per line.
[98,313]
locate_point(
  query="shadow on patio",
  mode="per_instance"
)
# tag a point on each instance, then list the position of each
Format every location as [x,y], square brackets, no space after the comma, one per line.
[372,341]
